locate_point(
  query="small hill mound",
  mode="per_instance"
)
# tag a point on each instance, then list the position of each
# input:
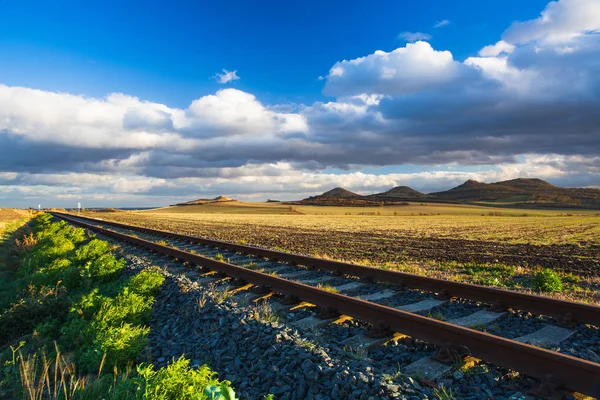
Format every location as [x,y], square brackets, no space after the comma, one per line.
[218,199]
[402,192]
[340,193]
[339,197]
[399,195]
[223,198]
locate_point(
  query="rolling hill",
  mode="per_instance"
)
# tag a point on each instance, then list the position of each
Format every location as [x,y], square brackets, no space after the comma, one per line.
[339,197]
[399,193]
[521,191]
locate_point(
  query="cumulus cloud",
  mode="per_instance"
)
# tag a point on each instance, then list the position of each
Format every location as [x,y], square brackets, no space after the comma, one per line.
[560,22]
[227,76]
[414,36]
[496,49]
[409,69]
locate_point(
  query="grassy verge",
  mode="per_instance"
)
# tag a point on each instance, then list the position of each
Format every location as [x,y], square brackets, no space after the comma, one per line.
[10,228]
[533,280]
[77,327]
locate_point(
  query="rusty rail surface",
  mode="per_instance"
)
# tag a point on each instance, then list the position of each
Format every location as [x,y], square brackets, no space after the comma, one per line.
[561,309]
[573,373]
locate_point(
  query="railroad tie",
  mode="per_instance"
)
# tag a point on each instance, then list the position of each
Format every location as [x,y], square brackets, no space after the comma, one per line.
[293,275]
[482,317]
[428,368]
[423,305]
[348,286]
[548,336]
[322,279]
[311,322]
[378,295]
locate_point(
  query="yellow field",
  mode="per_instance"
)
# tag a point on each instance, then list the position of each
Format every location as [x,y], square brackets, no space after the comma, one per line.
[414,220]
[238,207]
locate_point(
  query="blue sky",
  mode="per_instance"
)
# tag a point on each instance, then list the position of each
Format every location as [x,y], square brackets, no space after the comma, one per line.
[167,51]
[119,104]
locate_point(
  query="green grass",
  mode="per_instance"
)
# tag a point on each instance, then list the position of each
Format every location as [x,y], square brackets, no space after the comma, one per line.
[547,281]
[9,232]
[79,326]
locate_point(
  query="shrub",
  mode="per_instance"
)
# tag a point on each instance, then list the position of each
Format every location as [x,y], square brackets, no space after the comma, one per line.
[547,281]
[126,307]
[118,345]
[178,381]
[92,250]
[146,283]
[104,268]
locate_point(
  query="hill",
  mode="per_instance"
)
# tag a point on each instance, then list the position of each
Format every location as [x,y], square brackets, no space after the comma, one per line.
[399,193]
[521,191]
[339,197]
[340,193]
[218,199]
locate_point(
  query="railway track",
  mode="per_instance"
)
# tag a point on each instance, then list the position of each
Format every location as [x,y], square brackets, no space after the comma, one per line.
[455,337]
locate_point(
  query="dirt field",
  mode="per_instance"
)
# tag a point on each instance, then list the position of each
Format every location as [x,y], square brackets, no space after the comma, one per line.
[557,241]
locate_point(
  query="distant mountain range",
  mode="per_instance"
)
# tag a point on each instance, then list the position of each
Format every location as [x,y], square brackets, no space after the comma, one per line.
[520,192]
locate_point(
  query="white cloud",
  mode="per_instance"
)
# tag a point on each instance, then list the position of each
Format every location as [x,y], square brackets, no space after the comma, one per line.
[227,76]
[560,22]
[496,49]
[408,69]
[441,23]
[414,36]
[234,112]
[120,121]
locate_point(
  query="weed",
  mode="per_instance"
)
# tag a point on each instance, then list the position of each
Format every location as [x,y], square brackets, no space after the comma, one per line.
[202,301]
[436,315]
[264,313]
[547,281]
[394,375]
[443,393]
[479,327]
[25,244]
[570,278]
[327,288]
[222,295]
[357,353]
[219,257]
[162,242]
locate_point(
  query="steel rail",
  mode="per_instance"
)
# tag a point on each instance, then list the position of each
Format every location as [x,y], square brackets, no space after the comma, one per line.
[573,373]
[562,309]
